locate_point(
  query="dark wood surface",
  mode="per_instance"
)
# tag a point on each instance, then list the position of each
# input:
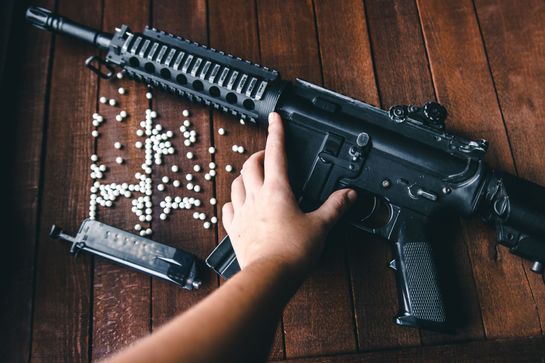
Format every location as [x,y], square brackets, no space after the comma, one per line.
[483,59]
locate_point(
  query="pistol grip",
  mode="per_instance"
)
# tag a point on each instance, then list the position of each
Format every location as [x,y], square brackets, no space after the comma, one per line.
[420,298]
[223,259]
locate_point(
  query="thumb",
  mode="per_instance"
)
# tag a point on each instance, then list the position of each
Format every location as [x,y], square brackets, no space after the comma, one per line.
[335,206]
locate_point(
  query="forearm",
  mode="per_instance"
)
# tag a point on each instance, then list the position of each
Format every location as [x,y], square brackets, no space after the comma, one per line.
[235,323]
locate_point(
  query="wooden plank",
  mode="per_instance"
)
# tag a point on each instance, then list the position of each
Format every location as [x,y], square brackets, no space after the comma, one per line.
[500,350]
[404,77]
[121,296]
[233,29]
[310,327]
[60,330]
[348,68]
[187,19]
[463,83]
[28,59]
[514,35]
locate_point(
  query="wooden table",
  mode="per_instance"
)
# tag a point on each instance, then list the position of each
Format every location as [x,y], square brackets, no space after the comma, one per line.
[484,60]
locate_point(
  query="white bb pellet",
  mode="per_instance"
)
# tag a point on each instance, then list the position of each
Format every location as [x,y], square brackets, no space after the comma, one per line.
[119,160]
[123,114]
[234,148]
[221,131]
[149,95]
[138,144]
[189,155]
[139,132]
[163,216]
[94,157]
[185,113]
[118,145]
[213,201]
[242,122]
[176,183]
[195,215]
[165,179]
[112,102]
[189,186]
[187,143]
[121,90]
[212,173]
[207,177]
[202,216]
[95,133]
[211,149]
[103,100]
[197,188]
[160,187]
[174,168]
[197,168]
[188,177]
[119,75]
[187,123]
[206,225]
[212,165]
[214,220]
[240,149]
[118,118]
[228,168]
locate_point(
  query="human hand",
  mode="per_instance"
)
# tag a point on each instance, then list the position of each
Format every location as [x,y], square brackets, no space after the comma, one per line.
[263,219]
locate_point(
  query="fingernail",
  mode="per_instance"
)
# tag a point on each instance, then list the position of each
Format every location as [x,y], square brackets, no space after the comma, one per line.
[352,196]
[272,119]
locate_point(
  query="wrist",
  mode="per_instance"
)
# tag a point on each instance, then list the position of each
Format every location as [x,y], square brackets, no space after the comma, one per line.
[276,269]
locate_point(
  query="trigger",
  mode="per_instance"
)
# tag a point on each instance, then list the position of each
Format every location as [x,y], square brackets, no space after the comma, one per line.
[393,265]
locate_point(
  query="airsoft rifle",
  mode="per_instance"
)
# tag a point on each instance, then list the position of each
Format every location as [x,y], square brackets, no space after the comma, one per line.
[402,160]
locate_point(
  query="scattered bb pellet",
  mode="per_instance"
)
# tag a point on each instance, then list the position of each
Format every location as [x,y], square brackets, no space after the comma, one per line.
[118,145]
[103,100]
[228,168]
[211,150]
[221,131]
[112,102]
[121,91]
[119,160]
[174,168]
[213,201]
[185,113]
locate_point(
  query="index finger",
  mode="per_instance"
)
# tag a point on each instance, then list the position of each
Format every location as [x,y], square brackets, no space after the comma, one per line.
[276,164]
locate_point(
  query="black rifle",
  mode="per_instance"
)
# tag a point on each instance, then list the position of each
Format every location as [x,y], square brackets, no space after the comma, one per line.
[402,160]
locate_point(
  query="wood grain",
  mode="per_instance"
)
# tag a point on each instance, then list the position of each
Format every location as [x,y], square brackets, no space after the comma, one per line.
[514,35]
[187,19]
[348,68]
[484,60]
[500,350]
[319,318]
[464,85]
[404,77]
[60,330]
[233,29]
[25,108]
[121,297]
